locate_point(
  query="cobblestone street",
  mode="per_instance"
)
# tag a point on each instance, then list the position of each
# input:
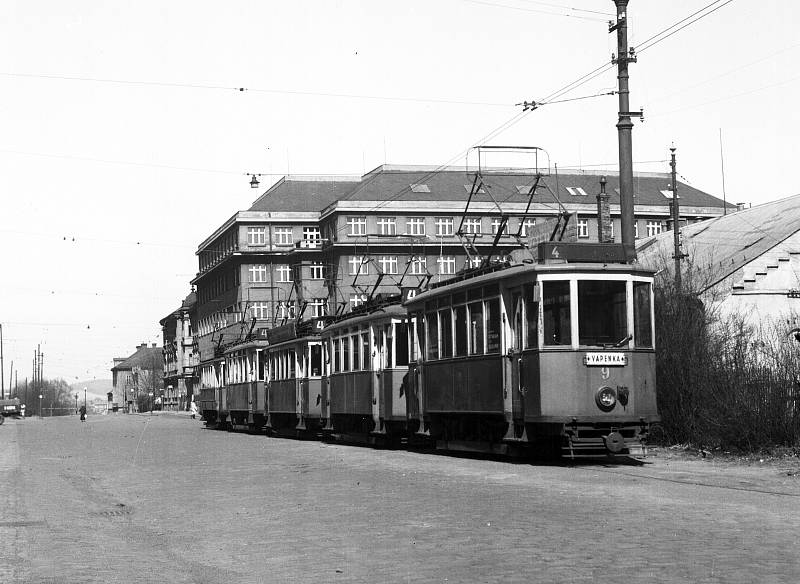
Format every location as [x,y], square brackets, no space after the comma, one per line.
[162,499]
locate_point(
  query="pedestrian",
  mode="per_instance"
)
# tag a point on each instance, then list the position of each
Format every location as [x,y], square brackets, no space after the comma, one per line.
[193,409]
[83,413]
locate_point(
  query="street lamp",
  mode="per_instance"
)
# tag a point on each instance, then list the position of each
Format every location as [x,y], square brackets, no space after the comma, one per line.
[76,402]
[84,398]
[40,405]
[151,403]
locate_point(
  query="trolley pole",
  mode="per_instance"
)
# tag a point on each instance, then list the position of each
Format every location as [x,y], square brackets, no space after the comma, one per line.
[625,129]
[2,366]
[676,223]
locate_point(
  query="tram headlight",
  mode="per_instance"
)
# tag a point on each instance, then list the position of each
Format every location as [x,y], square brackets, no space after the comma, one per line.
[606,398]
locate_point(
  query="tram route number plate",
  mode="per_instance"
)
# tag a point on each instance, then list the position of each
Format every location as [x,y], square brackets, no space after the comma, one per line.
[605,359]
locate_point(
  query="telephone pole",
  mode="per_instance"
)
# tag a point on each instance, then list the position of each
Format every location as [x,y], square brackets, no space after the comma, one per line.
[625,129]
[2,367]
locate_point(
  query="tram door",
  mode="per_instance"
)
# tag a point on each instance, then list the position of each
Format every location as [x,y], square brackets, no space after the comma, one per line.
[517,364]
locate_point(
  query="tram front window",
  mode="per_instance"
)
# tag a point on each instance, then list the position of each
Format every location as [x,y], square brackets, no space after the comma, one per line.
[641,315]
[555,301]
[602,315]
[316,360]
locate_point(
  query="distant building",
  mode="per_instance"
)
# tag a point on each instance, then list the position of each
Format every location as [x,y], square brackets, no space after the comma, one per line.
[137,376]
[180,358]
[316,246]
[745,263]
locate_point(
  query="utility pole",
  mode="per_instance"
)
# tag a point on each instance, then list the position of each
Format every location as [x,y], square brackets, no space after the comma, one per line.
[10,377]
[625,129]
[676,223]
[2,367]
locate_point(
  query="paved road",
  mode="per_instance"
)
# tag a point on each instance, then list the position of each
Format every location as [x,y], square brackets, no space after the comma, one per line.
[157,499]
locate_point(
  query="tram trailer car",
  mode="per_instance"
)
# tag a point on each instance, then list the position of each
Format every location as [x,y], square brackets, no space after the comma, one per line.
[245,390]
[555,357]
[294,363]
[365,389]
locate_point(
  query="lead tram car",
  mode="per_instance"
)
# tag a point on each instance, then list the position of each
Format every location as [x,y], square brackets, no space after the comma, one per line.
[552,357]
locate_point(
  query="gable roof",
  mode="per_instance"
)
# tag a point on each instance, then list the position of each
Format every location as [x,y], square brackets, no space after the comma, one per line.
[723,245]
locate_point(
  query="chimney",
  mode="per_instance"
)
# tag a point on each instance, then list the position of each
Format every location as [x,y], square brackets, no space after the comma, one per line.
[603,214]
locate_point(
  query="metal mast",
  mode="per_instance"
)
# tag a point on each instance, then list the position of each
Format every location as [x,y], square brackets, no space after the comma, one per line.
[624,129]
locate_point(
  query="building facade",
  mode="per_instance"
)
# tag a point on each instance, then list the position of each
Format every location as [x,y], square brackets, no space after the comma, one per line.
[137,379]
[180,358]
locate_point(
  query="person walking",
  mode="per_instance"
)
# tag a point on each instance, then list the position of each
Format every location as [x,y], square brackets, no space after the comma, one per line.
[83,413]
[193,409]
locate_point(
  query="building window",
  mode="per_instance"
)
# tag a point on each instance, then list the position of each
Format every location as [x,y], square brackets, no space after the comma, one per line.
[387,225]
[358,266]
[576,191]
[284,273]
[311,237]
[583,228]
[496,221]
[258,273]
[472,225]
[286,309]
[283,236]
[447,264]
[357,300]
[388,264]
[260,310]
[356,226]
[415,226]
[653,228]
[256,235]
[444,226]
[317,271]
[636,230]
[317,307]
[527,225]
[474,262]
[419,266]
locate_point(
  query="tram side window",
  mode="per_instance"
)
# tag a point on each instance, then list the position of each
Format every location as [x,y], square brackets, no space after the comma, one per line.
[476,328]
[365,351]
[531,317]
[643,333]
[292,362]
[556,313]
[446,325]
[357,352]
[602,313]
[401,344]
[316,360]
[461,330]
[493,325]
[387,334]
[432,335]
[345,353]
[337,355]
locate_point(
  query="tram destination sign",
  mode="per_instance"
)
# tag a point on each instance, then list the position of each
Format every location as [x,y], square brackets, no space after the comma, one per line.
[605,359]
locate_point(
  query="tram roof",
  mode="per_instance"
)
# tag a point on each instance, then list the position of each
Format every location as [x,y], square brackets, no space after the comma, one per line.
[386,311]
[481,279]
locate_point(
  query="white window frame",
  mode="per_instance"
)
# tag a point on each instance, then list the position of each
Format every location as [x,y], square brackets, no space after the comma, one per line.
[388,264]
[356,300]
[387,225]
[415,226]
[356,226]
[654,228]
[526,225]
[583,228]
[316,271]
[317,306]
[358,266]
[473,225]
[444,226]
[284,236]
[258,273]
[284,272]
[419,265]
[496,225]
[260,310]
[256,236]
[447,265]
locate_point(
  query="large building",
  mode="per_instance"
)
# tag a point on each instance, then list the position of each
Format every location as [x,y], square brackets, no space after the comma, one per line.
[315,246]
[137,378]
[180,359]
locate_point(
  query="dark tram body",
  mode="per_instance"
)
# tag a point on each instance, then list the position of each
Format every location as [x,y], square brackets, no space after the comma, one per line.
[551,358]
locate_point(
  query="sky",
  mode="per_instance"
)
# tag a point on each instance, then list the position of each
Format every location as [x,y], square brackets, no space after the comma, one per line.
[129,127]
